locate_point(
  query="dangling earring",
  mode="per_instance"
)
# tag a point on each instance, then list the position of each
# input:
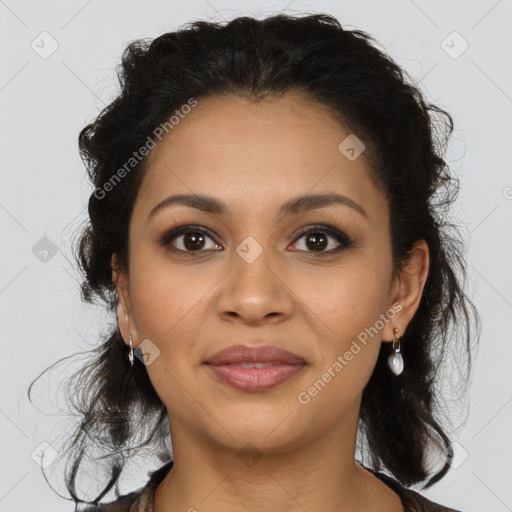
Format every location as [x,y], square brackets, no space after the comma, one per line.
[130,354]
[395,360]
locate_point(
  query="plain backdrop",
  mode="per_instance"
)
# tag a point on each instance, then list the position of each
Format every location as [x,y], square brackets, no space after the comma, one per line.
[57,71]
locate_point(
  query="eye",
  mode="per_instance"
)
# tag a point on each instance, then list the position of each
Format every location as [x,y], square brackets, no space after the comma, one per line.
[317,239]
[189,239]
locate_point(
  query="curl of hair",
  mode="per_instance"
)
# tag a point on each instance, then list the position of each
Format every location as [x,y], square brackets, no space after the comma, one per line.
[366,92]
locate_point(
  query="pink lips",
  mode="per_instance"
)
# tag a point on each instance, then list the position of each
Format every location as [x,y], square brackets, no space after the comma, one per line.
[255,368]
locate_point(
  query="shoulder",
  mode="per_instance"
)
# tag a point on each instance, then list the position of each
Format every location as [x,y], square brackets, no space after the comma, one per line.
[140,500]
[412,501]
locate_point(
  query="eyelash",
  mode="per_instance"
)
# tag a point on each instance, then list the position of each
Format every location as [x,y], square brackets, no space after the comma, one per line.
[344,240]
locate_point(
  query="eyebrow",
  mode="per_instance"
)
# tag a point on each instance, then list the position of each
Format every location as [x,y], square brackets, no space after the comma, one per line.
[293,206]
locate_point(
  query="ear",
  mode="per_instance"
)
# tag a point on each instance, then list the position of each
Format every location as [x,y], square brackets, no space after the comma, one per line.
[407,290]
[124,310]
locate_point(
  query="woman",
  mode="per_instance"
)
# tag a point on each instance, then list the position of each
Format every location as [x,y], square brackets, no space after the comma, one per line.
[264,223]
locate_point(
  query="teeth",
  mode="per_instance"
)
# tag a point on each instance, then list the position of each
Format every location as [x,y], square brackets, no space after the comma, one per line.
[253,365]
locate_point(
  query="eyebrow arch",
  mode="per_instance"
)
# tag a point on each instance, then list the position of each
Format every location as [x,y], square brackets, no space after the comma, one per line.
[293,206]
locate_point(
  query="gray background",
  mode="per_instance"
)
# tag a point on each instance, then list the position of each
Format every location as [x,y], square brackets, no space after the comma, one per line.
[46,99]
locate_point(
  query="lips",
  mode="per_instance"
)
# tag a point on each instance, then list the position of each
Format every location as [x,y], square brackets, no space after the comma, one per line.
[255,368]
[242,354]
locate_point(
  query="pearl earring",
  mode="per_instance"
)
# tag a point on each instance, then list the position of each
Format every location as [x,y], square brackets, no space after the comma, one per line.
[130,354]
[395,360]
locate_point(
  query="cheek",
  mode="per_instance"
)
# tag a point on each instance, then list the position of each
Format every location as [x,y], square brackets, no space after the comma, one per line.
[166,305]
[345,301]
[164,299]
[347,354]
[347,314]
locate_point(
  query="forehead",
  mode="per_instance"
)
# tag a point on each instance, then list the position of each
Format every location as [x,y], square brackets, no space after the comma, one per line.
[249,152]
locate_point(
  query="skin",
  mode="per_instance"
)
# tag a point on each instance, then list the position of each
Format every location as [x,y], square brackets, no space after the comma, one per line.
[254,156]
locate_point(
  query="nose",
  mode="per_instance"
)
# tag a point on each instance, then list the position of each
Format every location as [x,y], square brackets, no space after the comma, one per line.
[256,291]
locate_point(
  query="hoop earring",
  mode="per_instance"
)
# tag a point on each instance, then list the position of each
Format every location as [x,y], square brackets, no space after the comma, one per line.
[395,360]
[130,354]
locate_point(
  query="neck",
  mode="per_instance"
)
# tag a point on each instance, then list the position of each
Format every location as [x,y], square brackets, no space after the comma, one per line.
[319,475]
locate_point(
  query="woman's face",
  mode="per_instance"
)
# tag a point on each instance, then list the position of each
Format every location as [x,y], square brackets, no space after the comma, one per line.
[249,274]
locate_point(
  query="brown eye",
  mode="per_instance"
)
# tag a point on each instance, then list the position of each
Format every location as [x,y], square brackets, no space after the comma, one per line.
[189,239]
[317,239]
[193,241]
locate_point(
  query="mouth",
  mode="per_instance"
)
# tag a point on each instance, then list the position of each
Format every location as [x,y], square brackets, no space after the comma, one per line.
[253,365]
[254,368]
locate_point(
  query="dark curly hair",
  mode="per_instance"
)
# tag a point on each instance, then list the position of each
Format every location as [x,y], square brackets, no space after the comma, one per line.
[119,412]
